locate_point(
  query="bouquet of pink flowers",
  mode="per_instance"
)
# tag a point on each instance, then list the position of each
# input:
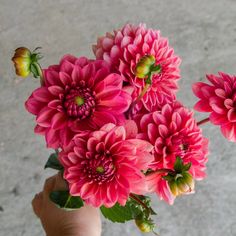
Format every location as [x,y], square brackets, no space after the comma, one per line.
[115,124]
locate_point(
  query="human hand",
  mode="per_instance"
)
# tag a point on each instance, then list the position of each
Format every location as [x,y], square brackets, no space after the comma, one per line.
[58,222]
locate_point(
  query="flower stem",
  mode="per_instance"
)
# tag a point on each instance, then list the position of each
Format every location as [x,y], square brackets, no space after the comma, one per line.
[138,98]
[142,93]
[139,202]
[201,122]
[160,171]
[40,72]
[67,202]
[155,233]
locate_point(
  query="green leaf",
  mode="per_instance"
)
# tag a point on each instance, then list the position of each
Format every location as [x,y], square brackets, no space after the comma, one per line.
[34,70]
[132,210]
[37,48]
[178,166]
[149,79]
[156,68]
[63,199]
[147,201]
[168,177]
[121,214]
[53,162]
[187,166]
[152,212]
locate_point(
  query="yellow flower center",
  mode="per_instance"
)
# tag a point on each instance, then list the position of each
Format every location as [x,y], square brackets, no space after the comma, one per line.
[79,101]
[100,169]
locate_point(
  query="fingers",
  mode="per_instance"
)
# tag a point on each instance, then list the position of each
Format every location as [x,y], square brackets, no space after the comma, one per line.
[56,182]
[37,203]
[60,183]
[41,199]
[49,184]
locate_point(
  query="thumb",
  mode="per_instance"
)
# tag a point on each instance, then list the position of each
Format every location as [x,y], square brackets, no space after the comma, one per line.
[37,203]
[60,183]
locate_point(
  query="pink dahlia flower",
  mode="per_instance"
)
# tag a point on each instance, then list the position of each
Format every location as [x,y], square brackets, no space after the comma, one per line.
[174,133]
[78,94]
[219,98]
[124,48]
[103,167]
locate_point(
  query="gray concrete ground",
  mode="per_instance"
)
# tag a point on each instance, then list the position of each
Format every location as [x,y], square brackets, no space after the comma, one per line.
[202,32]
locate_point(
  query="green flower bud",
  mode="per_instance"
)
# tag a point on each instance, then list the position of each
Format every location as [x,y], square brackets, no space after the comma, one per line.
[145,226]
[26,62]
[181,184]
[144,66]
[22,61]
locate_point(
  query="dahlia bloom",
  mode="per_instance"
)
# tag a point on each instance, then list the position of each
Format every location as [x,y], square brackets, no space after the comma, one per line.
[78,94]
[103,167]
[124,48]
[174,133]
[219,98]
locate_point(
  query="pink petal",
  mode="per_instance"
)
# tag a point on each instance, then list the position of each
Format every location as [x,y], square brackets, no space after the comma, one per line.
[112,193]
[229,131]
[107,43]
[131,129]
[70,58]
[228,103]
[110,80]
[40,130]
[59,120]
[115,51]
[33,106]
[42,95]
[74,189]
[163,131]
[106,118]
[108,94]
[115,135]
[52,78]
[203,106]
[66,66]
[202,90]
[65,78]
[54,104]
[218,119]
[220,93]
[87,190]
[152,132]
[45,116]
[139,187]
[56,90]
[52,138]
[232,115]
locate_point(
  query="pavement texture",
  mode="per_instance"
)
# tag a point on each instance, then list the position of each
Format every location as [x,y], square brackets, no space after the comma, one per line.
[203,34]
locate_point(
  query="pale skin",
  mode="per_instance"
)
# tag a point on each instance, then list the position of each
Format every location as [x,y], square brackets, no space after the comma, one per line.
[57,222]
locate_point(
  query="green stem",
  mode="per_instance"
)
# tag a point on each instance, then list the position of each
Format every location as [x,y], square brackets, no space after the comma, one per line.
[40,72]
[142,93]
[155,233]
[138,98]
[201,122]
[160,171]
[68,200]
[156,69]
[139,202]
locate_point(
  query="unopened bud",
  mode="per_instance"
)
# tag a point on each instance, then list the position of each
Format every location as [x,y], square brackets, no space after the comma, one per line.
[144,66]
[22,61]
[26,62]
[181,184]
[145,226]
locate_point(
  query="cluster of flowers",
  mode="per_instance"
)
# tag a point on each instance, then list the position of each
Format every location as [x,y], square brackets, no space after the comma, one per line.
[116,121]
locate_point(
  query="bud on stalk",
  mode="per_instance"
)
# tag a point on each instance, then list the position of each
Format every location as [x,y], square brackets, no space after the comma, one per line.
[26,62]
